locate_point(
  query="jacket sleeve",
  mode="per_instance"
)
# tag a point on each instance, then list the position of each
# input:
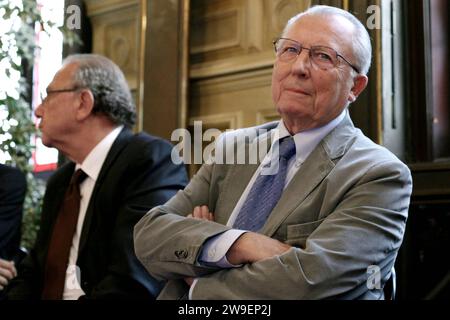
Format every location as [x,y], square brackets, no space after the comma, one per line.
[167,243]
[12,194]
[365,229]
[151,180]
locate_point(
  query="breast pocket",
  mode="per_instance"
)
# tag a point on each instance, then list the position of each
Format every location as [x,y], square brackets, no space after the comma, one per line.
[298,233]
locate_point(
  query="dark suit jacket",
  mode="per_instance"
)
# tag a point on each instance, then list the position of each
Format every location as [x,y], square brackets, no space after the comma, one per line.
[137,175]
[12,193]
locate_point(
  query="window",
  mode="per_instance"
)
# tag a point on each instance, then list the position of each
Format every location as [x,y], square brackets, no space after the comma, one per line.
[427,79]
[47,62]
[439,68]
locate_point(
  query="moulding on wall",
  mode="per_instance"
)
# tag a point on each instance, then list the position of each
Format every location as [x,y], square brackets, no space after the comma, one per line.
[96,7]
[234,82]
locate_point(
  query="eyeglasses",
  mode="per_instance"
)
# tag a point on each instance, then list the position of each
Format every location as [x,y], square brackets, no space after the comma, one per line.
[49,92]
[287,50]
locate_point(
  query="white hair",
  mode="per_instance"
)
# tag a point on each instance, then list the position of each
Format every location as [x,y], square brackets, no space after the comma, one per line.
[362,48]
[108,85]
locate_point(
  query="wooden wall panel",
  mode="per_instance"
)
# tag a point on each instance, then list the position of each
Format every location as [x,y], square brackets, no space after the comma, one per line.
[117,29]
[148,41]
[231,56]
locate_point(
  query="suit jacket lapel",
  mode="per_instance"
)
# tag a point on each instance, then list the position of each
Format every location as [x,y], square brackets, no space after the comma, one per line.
[312,172]
[238,179]
[116,148]
[316,167]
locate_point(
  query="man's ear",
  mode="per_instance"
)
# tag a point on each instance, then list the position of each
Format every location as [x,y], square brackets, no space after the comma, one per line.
[359,84]
[86,104]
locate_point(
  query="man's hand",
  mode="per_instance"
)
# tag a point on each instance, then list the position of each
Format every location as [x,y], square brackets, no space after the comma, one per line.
[251,247]
[7,272]
[201,213]
[189,281]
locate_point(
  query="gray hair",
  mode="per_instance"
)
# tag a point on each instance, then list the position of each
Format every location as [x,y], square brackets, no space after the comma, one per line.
[362,48]
[108,85]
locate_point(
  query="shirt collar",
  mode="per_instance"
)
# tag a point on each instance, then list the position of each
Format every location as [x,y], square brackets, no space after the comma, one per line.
[93,163]
[306,141]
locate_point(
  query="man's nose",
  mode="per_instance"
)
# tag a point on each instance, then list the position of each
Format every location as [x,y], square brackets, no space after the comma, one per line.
[302,64]
[38,111]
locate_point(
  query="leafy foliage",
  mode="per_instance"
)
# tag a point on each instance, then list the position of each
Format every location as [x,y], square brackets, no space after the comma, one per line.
[17,45]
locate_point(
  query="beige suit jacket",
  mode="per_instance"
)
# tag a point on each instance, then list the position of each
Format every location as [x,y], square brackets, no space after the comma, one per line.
[344,211]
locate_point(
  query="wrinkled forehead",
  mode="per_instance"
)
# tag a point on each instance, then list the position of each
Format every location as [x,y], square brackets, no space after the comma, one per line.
[65,75]
[327,30]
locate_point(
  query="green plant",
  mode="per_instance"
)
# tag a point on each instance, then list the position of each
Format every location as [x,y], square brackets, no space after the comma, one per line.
[17,45]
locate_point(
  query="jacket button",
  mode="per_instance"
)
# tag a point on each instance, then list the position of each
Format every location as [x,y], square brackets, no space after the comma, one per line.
[181,254]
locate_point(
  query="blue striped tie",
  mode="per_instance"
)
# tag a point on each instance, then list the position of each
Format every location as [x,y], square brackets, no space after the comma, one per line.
[265,192]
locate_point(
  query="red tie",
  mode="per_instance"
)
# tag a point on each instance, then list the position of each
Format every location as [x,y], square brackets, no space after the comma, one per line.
[61,240]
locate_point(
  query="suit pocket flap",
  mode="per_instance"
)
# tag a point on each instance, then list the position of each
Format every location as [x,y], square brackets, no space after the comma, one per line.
[303,229]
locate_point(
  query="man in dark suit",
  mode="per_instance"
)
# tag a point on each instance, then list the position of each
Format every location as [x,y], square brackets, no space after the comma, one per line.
[12,194]
[115,176]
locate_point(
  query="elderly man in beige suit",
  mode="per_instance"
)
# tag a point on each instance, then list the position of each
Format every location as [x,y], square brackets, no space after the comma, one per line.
[332,230]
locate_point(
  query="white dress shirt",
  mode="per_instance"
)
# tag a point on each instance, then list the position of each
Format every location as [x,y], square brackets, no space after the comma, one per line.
[215,249]
[91,165]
